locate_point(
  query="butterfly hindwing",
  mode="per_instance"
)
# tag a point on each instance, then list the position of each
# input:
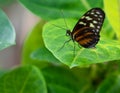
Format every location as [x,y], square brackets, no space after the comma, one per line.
[86,37]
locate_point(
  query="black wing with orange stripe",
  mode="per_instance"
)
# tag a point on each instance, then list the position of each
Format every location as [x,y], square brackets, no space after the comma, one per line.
[86,31]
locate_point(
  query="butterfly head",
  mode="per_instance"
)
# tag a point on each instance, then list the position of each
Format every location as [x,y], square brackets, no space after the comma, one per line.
[68,33]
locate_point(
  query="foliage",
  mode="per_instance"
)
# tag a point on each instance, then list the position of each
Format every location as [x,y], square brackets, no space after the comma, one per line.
[7,34]
[46,68]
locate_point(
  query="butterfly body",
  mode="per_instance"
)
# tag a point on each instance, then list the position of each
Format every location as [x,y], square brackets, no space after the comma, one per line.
[86,31]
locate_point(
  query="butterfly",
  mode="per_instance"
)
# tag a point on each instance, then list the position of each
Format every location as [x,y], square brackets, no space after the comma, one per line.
[87,29]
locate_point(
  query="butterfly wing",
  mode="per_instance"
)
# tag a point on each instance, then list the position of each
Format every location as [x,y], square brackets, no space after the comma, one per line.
[93,18]
[86,37]
[86,31]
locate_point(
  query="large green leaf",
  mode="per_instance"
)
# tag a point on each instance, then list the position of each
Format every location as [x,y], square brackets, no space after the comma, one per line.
[32,42]
[34,51]
[2,72]
[54,38]
[110,85]
[107,31]
[50,9]
[7,33]
[42,54]
[26,79]
[112,9]
[64,80]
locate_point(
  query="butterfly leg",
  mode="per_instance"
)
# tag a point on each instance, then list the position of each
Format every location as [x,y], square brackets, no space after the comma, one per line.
[64,44]
[74,49]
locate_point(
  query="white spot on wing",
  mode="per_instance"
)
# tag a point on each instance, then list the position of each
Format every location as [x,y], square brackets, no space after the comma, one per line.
[91,25]
[93,30]
[95,15]
[96,33]
[97,30]
[88,18]
[97,12]
[98,26]
[100,16]
[82,23]
[92,13]
[94,21]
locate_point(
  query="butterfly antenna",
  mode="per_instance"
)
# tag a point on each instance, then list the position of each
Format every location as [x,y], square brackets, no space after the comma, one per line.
[64,19]
[65,29]
[59,26]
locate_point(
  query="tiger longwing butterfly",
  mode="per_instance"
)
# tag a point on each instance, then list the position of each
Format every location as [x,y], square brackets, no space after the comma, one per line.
[86,31]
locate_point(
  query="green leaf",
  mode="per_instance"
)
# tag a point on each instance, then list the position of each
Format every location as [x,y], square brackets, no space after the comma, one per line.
[2,72]
[43,54]
[64,80]
[32,42]
[23,80]
[107,31]
[113,14]
[50,9]
[54,38]
[110,85]
[7,33]
[31,54]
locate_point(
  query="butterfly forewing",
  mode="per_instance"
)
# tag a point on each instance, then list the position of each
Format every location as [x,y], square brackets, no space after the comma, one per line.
[86,31]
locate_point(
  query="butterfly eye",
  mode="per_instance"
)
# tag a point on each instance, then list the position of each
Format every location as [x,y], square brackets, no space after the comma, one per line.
[68,33]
